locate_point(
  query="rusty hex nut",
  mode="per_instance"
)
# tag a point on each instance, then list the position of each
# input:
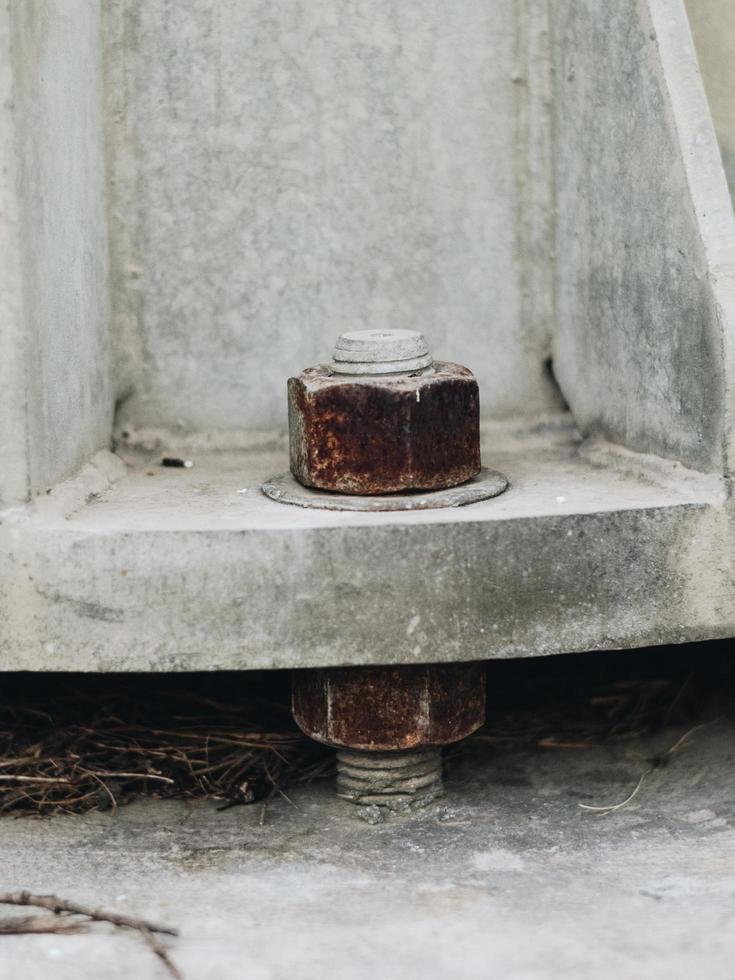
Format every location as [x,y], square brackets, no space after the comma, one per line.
[390,708]
[383,432]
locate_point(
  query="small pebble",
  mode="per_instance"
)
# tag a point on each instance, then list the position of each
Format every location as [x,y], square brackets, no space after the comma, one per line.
[370,814]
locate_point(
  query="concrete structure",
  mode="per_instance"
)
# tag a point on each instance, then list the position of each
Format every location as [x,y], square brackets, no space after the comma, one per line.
[507,877]
[713,27]
[197,199]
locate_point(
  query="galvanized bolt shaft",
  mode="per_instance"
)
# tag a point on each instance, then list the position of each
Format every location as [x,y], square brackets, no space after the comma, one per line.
[376,352]
[398,781]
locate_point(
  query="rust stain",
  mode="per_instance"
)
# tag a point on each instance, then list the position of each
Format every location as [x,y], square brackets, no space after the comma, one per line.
[384,434]
[385,708]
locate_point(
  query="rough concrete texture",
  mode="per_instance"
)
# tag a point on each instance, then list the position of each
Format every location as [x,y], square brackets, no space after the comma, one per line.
[713,27]
[645,233]
[14,471]
[56,402]
[505,877]
[283,172]
[195,569]
[368,166]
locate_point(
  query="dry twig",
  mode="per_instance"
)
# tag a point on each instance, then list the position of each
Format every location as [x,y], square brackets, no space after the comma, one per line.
[59,923]
[678,744]
[58,905]
[24,924]
[162,953]
[618,806]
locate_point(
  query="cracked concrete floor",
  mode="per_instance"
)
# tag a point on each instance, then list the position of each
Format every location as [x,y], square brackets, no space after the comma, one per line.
[506,877]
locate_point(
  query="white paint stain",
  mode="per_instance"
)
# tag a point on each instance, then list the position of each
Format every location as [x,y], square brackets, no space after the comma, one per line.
[415,620]
[498,859]
[700,816]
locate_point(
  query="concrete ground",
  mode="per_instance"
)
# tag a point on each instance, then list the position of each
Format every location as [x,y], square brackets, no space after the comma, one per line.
[506,877]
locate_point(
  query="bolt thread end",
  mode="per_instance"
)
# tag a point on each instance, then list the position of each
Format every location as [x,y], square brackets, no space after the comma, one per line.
[396,781]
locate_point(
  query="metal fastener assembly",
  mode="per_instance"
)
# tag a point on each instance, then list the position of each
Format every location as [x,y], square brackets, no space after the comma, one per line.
[389,724]
[384,417]
[396,781]
[386,426]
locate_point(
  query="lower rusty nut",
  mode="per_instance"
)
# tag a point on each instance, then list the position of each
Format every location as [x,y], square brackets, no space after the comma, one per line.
[385,709]
[388,725]
[383,432]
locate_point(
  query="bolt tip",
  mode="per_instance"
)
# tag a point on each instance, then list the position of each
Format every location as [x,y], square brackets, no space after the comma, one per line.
[381,352]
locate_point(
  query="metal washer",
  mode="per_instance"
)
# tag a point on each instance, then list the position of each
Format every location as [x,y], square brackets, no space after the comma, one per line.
[286,489]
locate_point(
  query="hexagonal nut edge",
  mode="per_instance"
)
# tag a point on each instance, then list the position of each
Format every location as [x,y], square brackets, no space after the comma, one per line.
[375,435]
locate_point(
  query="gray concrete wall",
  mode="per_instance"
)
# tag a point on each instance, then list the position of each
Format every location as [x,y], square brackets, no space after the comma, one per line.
[283,171]
[14,474]
[713,26]
[56,402]
[644,231]
[280,171]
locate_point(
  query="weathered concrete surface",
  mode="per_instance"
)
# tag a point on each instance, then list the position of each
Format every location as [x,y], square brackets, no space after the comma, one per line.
[14,474]
[713,27]
[56,400]
[374,166]
[279,173]
[283,172]
[176,569]
[645,235]
[506,877]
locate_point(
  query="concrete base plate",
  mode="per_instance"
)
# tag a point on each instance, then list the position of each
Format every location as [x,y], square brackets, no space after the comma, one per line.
[157,568]
[286,489]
